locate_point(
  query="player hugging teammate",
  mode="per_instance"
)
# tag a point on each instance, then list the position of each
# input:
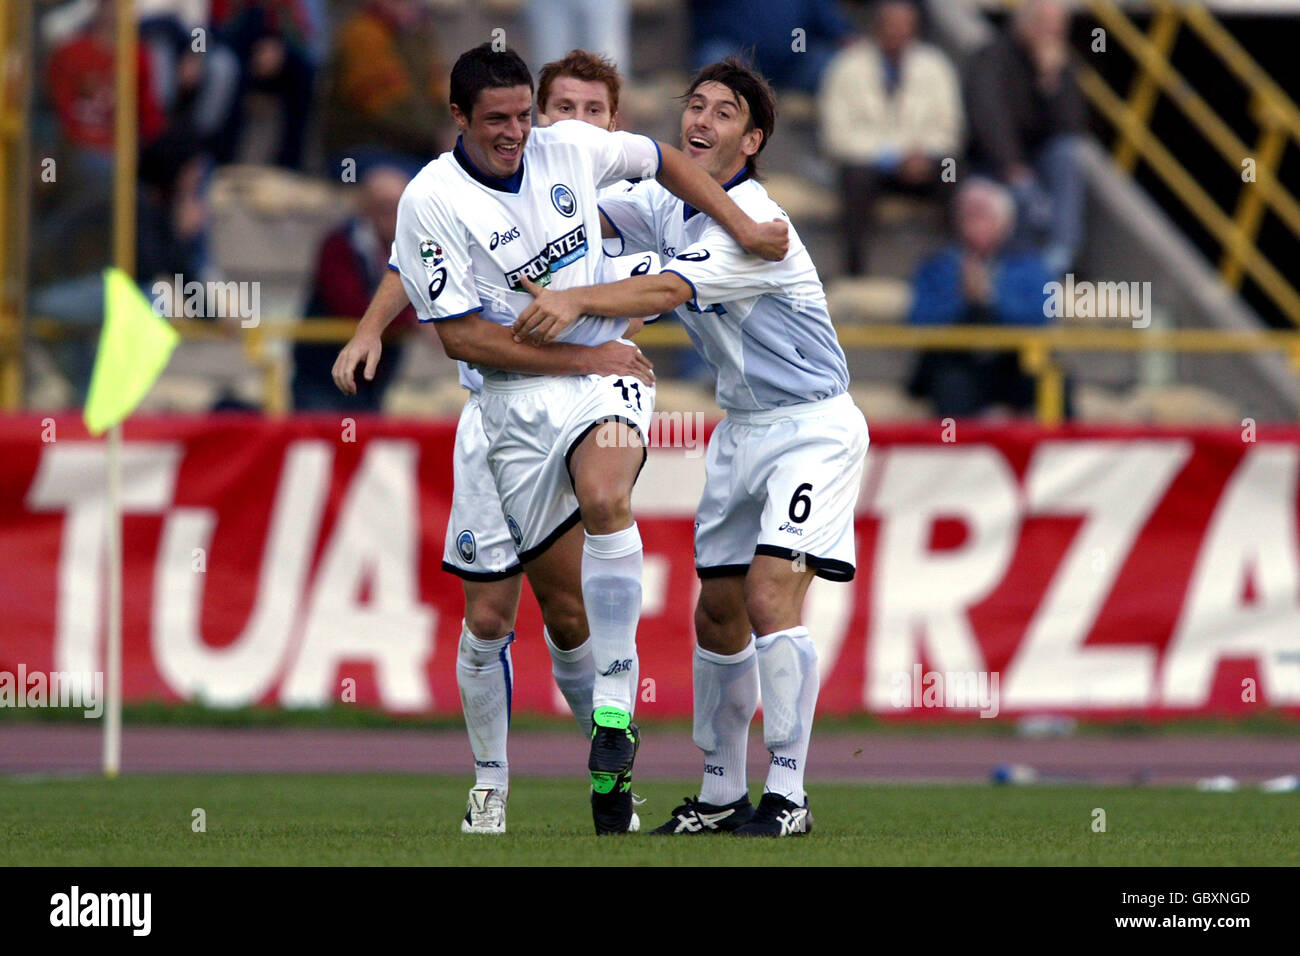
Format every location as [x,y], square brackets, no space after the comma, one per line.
[559,428]
[783,469]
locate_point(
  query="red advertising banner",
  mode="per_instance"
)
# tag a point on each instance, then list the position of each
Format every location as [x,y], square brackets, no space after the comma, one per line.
[1088,571]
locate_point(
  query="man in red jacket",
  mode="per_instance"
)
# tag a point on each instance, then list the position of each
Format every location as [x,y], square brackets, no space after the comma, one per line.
[351,261]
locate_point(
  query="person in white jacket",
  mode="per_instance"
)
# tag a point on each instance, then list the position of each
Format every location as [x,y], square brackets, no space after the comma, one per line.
[890,113]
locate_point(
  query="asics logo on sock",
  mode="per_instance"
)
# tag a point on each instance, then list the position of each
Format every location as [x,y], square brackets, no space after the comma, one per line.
[618,667]
[789,763]
[488,763]
[714,769]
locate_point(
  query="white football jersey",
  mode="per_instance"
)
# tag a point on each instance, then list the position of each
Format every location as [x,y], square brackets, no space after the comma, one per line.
[762,326]
[464,237]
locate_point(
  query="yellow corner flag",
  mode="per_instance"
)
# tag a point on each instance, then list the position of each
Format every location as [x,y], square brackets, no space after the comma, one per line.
[134,347]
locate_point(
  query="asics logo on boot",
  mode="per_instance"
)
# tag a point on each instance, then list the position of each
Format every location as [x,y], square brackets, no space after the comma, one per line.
[792,821]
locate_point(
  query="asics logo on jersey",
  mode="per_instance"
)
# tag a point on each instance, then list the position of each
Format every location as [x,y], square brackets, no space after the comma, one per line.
[699,255]
[618,667]
[513,527]
[790,763]
[503,238]
[791,528]
[563,200]
[670,251]
[558,254]
[714,769]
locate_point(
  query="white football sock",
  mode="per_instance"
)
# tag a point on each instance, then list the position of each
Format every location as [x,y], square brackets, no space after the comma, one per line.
[486,682]
[611,589]
[787,673]
[575,675]
[726,696]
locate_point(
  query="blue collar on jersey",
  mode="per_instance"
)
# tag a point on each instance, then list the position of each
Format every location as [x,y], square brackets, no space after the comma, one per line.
[688,210]
[510,184]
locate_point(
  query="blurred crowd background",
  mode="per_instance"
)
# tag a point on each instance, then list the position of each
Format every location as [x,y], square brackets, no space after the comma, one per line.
[936,183]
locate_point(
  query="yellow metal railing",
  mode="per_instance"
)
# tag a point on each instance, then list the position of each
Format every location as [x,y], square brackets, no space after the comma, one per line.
[15,77]
[1040,349]
[1276,115]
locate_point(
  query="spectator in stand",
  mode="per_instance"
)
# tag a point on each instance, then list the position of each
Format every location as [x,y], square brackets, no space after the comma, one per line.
[272,40]
[979,280]
[82,84]
[195,77]
[602,27]
[1026,113]
[792,40]
[890,110]
[170,208]
[349,266]
[71,234]
[388,90]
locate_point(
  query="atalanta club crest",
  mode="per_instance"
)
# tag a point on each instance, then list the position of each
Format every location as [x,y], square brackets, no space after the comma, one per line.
[563,200]
[466,546]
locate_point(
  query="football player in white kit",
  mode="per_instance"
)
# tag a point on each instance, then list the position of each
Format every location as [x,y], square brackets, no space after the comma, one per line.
[783,469]
[475,228]
[478,547]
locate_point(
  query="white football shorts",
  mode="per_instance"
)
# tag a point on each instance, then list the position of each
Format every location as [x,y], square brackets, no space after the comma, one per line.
[533,427]
[783,482]
[478,545]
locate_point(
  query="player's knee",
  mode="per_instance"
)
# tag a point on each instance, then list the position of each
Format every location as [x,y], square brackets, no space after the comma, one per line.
[488,622]
[771,609]
[718,630]
[566,620]
[606,505]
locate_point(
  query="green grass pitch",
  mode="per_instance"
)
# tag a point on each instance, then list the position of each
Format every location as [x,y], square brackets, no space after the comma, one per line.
[414,820]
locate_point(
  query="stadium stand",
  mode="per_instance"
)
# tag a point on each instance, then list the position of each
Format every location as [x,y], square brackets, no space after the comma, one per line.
[266,221]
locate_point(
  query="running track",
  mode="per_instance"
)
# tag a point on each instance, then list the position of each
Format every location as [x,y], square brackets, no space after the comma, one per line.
[840,756]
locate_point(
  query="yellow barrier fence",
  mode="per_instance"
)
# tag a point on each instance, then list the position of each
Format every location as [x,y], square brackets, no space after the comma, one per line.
[1040,349]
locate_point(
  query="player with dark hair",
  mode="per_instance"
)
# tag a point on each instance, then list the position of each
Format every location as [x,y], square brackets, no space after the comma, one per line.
[509,210]
[783,469]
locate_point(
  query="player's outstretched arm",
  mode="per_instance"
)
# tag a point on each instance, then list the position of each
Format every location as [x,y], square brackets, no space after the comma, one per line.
[388,302]
[689,182]
[554,310]
[471,338]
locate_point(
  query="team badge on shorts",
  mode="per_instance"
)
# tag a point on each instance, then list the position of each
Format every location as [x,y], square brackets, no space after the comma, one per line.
[562,199]
[515,533]
[466,546]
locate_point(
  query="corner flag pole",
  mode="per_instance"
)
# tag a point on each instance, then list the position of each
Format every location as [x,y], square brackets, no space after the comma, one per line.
[124,185]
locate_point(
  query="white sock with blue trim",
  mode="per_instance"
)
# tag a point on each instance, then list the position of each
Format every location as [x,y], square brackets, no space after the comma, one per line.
[486,681]
[611,590]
